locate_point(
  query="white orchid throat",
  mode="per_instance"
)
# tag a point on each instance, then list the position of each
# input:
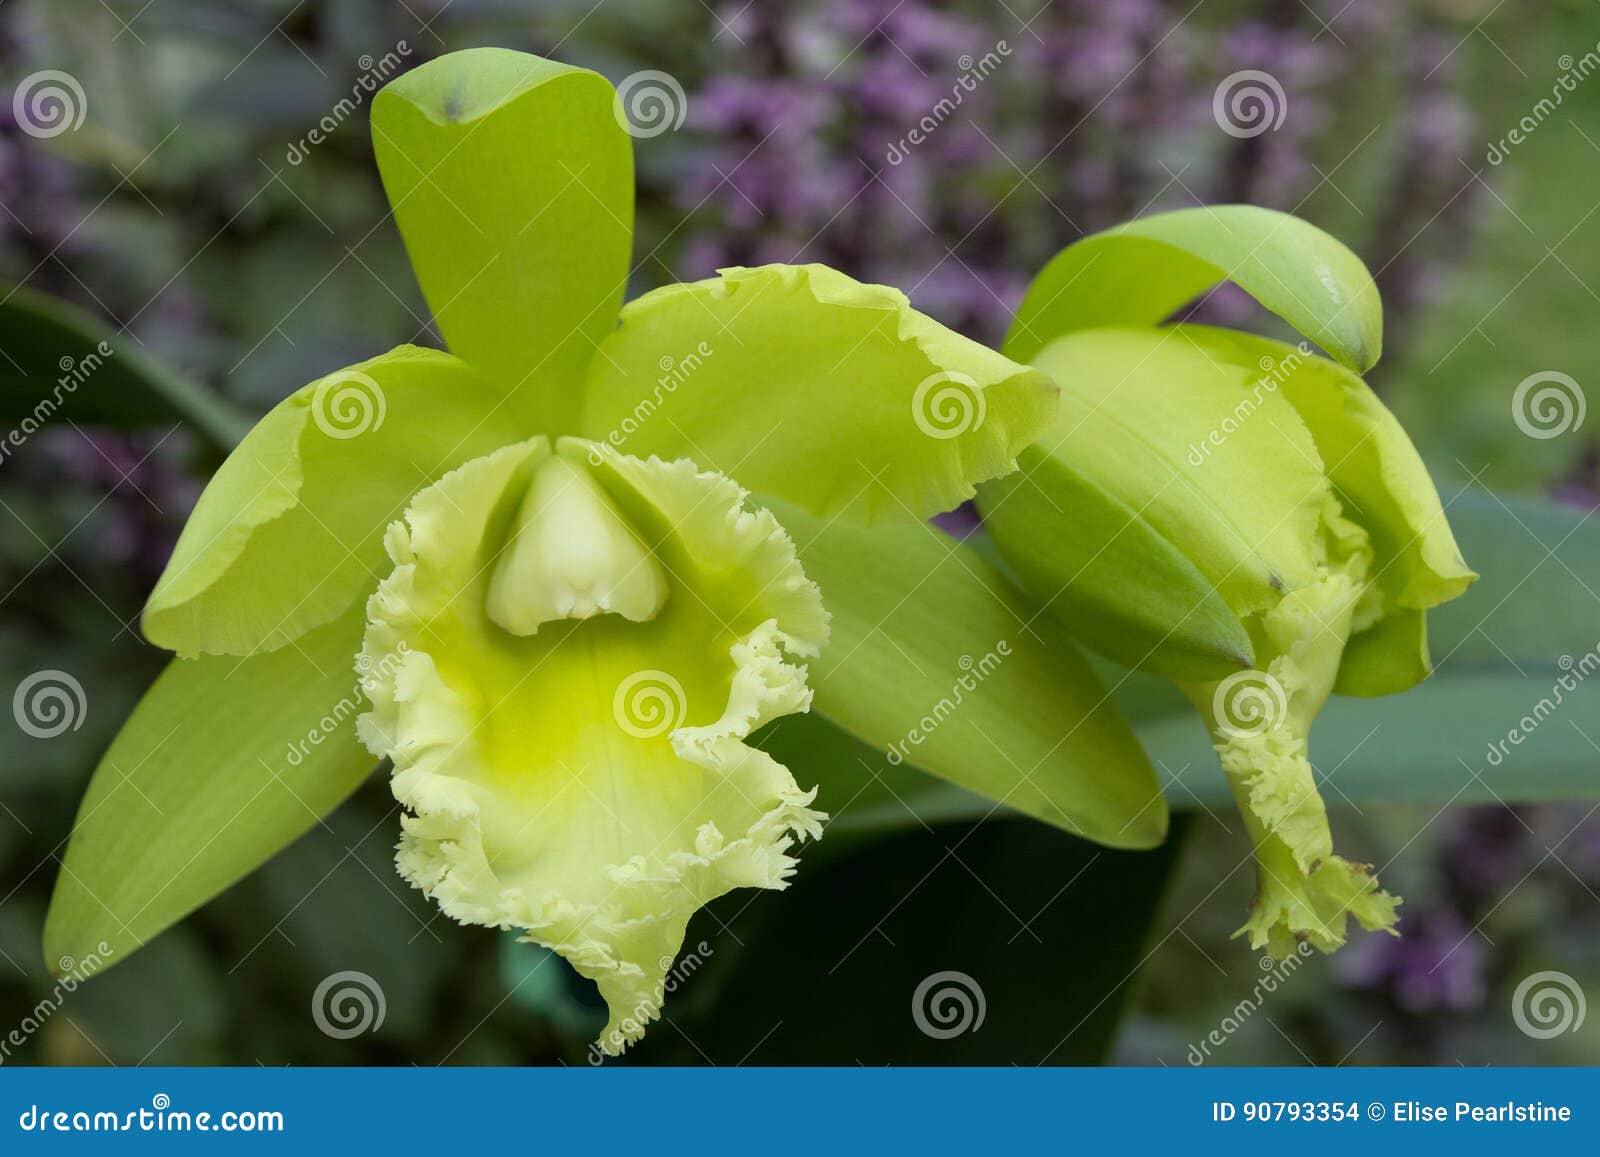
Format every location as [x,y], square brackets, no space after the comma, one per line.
[588,641]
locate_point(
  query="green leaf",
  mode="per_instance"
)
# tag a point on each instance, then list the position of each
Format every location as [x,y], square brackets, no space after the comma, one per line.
[1535,599]
[1142,272]
[289,532]
[1050,930]
[1429,745]
[936,660]
[807,385]
[511,179]
[60,362]
[336,900]
[223,763]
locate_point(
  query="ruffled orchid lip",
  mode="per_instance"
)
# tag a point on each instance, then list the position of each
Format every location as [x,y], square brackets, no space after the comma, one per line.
[568,736]
[1261,721]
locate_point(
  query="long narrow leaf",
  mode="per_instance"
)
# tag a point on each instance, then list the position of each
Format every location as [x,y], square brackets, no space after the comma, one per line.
[224,762]
[56,359]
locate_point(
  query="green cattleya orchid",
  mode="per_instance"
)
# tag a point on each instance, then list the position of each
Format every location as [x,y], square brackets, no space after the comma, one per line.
[1239,514]
[569,621]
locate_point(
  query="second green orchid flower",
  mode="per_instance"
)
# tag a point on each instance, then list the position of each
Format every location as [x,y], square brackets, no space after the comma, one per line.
[1238,514]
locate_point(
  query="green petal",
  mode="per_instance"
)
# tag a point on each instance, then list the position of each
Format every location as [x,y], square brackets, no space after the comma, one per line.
[865,795]
[1369,458]
[224,762]
[288,534]
[1092,561]
[1383,485]
[939,662]
[1388,657]
[511,179]
[589,783]
[816,389]
[1174,491]
[1142,410]
[1142,272]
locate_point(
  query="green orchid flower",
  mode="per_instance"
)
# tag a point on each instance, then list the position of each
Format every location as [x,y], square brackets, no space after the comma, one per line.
[1236,513]
[566,620]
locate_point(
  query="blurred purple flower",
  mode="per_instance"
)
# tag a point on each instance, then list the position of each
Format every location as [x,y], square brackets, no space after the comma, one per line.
[1485,852]
[1436,963]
